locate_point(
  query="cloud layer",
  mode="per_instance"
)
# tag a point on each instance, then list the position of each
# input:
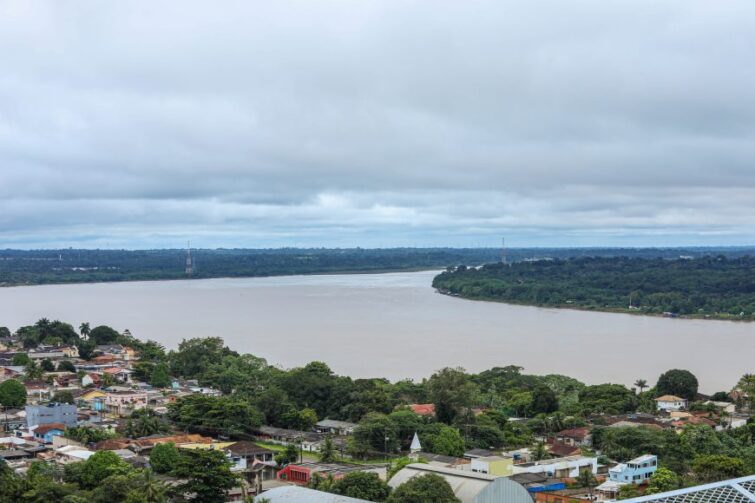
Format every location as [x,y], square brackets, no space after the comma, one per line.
[377,123]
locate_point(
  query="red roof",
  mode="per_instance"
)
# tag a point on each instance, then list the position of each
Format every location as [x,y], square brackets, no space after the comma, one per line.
[560,449]
[575,433]
[423,409]
[41,430]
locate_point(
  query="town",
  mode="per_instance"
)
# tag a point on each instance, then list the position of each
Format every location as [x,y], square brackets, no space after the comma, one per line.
[93,414]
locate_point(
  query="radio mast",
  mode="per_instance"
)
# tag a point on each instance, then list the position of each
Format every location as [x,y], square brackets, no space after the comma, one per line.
[504,255]
[189,262]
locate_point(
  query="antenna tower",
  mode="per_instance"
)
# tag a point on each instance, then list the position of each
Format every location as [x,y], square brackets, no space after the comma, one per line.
[189,262]
[504,254]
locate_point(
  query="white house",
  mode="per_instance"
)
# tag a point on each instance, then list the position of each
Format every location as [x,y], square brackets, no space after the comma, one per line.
[636,471]
[670,403]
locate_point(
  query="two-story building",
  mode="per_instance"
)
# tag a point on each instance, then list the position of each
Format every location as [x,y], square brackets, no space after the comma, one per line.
[569,466]
[37,415]
[125,402]
[636,471]
[493,465]
[668,403]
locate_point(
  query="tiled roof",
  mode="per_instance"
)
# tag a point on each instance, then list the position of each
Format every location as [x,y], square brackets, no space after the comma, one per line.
[669,398]
[423,409]
[41,430]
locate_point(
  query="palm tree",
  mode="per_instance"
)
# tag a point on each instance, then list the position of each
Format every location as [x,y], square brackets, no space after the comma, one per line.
[84,330]
[152,489]
[33,371]
[540,451]
[641,384]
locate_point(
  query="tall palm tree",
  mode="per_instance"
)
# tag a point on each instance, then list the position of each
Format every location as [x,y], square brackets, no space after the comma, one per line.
[84,330]
[641,384]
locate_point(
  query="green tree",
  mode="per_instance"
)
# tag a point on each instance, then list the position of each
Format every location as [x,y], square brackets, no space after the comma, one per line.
[66,366]
[544,400]
[448,442]
[215,415]
[99,466]
[145,422]
[451,390]
[641,384]
[714,467]
[12,393]
[103,334]
[195,356]
[607,398]
[84,330]
[20,359]
[63,396]
[628,491]
[307,418]
[160,376]
[677,382]
[586,479]
[363,485]
[374,433]
[11,485]
[662,480]
[164,457]
[47,365]
[327,451]
[208,475]
[428,488]
[33,371]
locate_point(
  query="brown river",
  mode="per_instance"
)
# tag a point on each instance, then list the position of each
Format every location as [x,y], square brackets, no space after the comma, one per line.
[395,325]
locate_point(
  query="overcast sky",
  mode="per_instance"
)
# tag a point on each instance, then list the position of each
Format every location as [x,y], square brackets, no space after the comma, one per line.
[317,123]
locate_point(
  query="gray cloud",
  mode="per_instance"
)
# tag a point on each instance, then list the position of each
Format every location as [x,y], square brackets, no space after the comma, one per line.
[381,123]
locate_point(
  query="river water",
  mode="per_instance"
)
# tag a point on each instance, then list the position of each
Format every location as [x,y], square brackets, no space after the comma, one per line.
[394,325]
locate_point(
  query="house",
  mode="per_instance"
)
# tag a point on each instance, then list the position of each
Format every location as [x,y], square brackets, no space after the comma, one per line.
[72,454]
[37,391]
[46,432]
[636,471]
[727,407]
[11,372]
[668,403]
[335,427]
[493,465]
[575,436]
[37,415]
[423,409]
[733,421]
[567,467]
[119,373]
[285,436]
[245,454]
[302,473]
[561,450]
[91,379]
[468,487]
[125,402]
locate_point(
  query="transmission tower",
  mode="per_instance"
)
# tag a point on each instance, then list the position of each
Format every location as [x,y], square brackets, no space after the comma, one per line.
[189,262]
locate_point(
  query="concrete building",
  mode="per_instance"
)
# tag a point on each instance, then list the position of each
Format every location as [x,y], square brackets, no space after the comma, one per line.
[570,466]
[493,465]
[335,427]
[468,486]
[670,403]
[64,413]
[636,471]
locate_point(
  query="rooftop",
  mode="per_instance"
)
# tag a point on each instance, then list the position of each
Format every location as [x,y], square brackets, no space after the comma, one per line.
[741,490]
[669,398]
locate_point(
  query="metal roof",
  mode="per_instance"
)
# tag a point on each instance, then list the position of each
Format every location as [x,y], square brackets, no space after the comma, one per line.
[296,494]
[741,490]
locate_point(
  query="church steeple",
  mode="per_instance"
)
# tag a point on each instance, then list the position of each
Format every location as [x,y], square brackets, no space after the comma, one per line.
[416,447]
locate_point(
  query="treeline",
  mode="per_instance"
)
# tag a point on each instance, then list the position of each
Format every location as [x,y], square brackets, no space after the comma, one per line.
[29,267]
[712,286]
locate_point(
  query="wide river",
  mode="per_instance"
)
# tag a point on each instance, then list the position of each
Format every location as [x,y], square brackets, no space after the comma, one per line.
[394,325]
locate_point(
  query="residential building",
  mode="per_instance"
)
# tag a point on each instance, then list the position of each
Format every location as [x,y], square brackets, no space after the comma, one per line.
[119,373]
[423,409]
[493,465]
[335,427]
[301,473]
[64,413]
[125,402]
[636,471]
[567,467]
[46,432]
[575,437]
[469,487]
[670,403]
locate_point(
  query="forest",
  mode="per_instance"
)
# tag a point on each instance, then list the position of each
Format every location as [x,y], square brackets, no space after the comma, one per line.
[717,287]
[33,267]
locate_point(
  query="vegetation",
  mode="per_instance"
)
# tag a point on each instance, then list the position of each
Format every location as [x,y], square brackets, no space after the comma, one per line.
[12,393]
[681,383]
[712,286]
[428,488]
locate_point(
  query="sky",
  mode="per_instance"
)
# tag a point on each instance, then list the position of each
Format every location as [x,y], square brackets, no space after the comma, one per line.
[376,123]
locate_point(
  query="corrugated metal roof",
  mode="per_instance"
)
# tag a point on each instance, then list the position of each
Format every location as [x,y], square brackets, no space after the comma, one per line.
[741,490]
[296,494]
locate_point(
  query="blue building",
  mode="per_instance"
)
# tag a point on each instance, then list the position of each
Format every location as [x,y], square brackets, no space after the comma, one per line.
[46,432]
[37,415]
[636,471]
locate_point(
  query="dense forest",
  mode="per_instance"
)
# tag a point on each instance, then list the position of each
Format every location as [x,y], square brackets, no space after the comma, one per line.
[30,267]
[707,287]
